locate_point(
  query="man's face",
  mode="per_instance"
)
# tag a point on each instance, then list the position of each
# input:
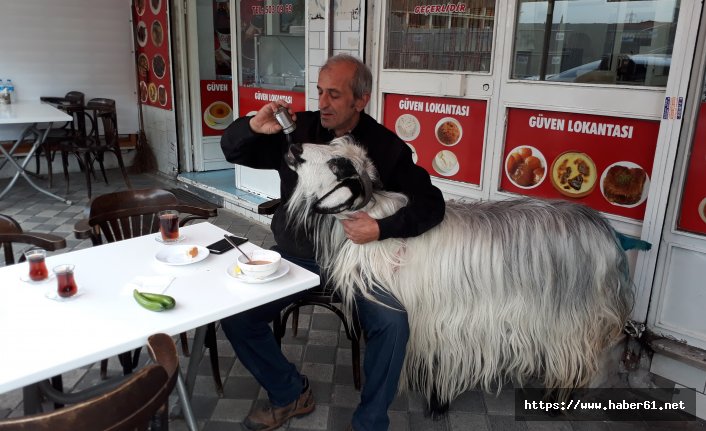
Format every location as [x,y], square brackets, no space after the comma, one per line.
[340,111]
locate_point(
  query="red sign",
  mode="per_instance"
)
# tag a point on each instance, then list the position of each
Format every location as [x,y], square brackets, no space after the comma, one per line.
[603,162]
[151,28]
[251,99]
[216,109]
[692,216]
[445,134]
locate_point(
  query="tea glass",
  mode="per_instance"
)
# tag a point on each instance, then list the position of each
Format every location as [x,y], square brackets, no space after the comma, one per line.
[169,225]
[65,282]
[37,266]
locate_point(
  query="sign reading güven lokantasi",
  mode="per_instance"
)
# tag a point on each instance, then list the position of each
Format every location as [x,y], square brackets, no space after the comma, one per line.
[445,134]
[604,162]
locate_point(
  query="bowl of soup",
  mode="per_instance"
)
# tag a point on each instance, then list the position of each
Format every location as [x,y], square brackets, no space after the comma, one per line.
[262,264]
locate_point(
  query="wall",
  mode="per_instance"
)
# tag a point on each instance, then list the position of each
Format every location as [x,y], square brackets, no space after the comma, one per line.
[52,47]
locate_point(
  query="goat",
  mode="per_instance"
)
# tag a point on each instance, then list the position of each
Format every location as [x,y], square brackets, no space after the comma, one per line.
[516,289]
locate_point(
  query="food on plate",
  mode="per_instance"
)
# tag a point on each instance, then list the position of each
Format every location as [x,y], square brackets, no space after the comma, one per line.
[162,95]
[157,33]
[152,91]
[155,5]
[574,174]
[623,185]
[140,7]
[407,127]
[449,132]
[143,66]
[154,301]
[192,252]
[524,168]
[158,66]
[141,33]
[143,91]
[702,210]
[445,163]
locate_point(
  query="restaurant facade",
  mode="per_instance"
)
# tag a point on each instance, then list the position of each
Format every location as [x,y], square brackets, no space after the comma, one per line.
[599,102]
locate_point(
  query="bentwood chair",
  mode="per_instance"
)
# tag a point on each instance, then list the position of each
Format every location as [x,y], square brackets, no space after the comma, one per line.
[136,402]
[320,296]
[132,213]
[11,233]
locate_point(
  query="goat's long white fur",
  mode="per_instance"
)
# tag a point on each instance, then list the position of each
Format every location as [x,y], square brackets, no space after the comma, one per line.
[506,290]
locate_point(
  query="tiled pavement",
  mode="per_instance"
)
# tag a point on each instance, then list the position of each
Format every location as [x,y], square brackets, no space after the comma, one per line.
[321,349]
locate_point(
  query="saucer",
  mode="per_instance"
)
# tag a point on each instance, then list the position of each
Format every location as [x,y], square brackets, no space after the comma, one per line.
[180,255]
[234,272]
[53,295]
[26,279]
[158,238]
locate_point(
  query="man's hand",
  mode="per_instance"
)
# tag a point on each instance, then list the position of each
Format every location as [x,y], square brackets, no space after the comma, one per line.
[264,121]
[361,228]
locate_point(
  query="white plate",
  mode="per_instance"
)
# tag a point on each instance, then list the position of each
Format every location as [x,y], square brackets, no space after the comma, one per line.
[25,277]
[535,152]
[702,209]
[645,187]
[450,158]
[407,127]
[233,271]
[141,25]
[178,255]
[449,120]
[221,124]
[158,238]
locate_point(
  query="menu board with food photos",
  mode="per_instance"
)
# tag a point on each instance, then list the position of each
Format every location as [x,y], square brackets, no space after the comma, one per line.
[445,134]
[151,28]
[602,162]
[216,101]
[692,213]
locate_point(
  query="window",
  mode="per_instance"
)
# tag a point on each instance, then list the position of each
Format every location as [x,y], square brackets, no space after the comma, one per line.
[595,41]
[428,35]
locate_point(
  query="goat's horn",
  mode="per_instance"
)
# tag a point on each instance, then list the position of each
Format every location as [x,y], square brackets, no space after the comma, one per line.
[367,190]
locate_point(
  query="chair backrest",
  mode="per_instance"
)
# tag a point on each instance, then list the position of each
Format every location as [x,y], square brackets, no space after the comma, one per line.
[129,406]
[131,213]
[105,113]
[11,233]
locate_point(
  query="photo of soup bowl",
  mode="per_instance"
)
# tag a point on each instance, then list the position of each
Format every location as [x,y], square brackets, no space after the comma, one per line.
[262,263]
[218,115]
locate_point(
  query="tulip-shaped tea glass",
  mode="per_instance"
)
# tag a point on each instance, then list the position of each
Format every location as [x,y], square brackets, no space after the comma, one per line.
[37,267]
[65,282]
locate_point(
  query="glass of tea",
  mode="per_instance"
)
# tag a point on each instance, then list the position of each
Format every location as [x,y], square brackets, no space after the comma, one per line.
[37,267]
[169,225]
[65,282]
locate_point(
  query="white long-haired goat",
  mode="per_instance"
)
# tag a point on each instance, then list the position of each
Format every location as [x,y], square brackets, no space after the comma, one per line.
[516,289]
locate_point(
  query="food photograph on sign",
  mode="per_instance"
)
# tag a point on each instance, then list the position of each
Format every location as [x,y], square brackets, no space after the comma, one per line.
[625,183]
[574,174]
[526,167]
[218,115]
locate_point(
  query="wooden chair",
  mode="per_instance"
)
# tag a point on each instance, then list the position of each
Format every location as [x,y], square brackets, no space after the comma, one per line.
[131,404]
[321,296]
[11,232]
[92,146]
[132,213]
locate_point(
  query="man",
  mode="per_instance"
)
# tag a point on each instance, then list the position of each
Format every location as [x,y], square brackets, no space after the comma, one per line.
[344,88]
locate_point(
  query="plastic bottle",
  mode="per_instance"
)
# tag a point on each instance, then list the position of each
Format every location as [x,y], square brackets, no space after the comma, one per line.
[11,90]
[4,95]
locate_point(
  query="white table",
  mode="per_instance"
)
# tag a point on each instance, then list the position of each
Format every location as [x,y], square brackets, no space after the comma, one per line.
[42,337]
[31,114]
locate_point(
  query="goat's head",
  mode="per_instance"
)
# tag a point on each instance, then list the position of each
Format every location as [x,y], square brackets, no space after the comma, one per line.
[338,177]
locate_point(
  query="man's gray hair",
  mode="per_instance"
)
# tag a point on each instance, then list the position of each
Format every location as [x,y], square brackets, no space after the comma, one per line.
[362,82]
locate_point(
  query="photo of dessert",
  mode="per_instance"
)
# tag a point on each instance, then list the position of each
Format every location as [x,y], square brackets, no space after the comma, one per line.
[162,95]
[526,167]
[157,33]
[159,66]
[625,184]
[574,174]
[448,131]
[143,91]
[152,92]
[445,163]
[407,127]
[702,209]
[141,33]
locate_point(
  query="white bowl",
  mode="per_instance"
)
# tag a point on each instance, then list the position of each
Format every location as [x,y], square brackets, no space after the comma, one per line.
[260,270]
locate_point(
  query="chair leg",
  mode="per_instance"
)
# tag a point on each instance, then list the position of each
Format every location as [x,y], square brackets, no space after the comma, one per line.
[119,156]
[104,369]
[212,343]
[87,161]
[58,383]
[295,322]
[65,164]
[50,169]
[100,156]
[184,344]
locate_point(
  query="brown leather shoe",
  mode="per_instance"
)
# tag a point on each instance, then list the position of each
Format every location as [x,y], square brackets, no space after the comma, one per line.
[268,418]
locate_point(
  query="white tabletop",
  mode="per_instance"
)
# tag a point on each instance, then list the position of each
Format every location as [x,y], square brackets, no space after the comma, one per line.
[31,112]
[42,337]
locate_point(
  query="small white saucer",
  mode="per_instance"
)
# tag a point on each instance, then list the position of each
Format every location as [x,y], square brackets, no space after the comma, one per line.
[158,238]
[234,272]
[180,255]
[25,277]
